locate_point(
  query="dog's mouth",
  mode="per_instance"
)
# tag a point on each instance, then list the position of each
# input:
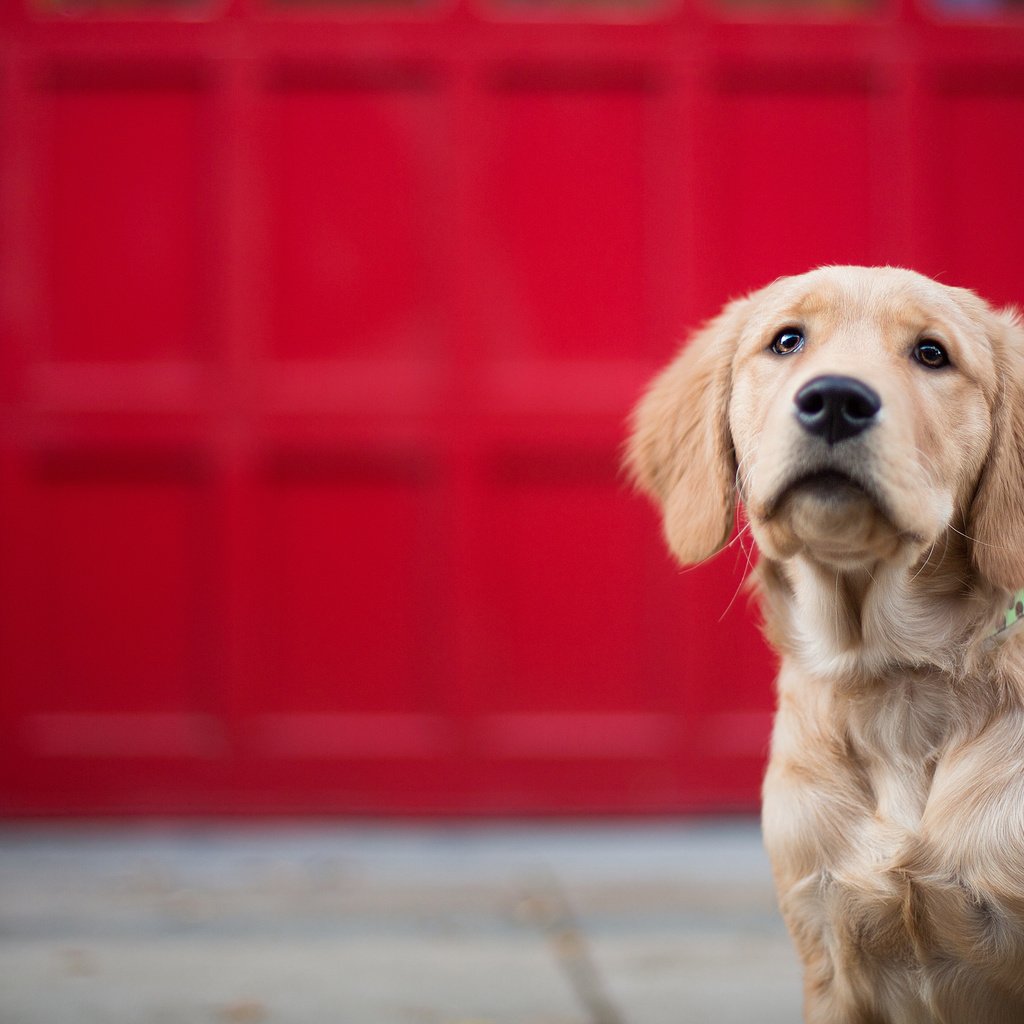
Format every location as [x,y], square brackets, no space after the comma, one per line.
[835,517]
[831,487]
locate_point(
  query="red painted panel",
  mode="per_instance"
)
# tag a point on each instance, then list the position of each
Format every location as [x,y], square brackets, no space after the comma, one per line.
[115,660]
[354,162]
[978,181]
[344,649]
[564,605]
[790,165]
[566,173]
[125,250]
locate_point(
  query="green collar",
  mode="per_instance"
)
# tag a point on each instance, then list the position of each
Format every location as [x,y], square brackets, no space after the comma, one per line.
[1012,617]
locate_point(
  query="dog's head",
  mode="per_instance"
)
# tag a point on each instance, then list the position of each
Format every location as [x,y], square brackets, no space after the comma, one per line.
[859,414]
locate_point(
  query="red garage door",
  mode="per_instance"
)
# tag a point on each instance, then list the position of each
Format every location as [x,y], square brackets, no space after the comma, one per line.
[320,325]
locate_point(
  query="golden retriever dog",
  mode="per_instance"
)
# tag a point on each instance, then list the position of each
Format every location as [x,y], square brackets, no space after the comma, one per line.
[870,424]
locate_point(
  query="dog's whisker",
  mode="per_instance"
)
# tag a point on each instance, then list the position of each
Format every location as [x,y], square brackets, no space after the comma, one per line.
[927,558]
[837,625]
[739,587]
[741,481]
[980,543]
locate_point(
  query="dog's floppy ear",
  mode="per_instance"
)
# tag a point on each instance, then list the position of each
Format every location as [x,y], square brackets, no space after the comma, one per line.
[996,523]
[680,452]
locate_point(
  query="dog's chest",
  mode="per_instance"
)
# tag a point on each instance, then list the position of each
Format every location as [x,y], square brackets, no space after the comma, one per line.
[897,928]
[862,893]
[894,736]
[871,888]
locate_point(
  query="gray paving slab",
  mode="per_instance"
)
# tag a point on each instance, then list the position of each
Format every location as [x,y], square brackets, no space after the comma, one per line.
[487,924]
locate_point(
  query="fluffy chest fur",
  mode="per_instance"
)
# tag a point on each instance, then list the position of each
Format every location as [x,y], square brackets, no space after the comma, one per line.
[894,817]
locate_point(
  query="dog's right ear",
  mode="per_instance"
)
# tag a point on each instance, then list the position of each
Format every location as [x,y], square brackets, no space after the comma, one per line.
[680,452]
[996,520]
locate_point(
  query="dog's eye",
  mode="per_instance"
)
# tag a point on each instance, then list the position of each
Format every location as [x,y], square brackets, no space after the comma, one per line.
[931,354]
[787,341]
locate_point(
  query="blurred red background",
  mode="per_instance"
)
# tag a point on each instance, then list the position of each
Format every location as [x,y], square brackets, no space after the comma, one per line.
[320,328]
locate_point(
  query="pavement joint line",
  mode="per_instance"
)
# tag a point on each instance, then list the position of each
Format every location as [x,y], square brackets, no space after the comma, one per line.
[548,908]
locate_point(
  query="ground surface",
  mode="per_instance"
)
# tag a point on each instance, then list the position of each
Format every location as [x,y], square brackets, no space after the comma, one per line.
[562,924]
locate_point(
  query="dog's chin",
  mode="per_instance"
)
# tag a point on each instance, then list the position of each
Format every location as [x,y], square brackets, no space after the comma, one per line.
[831,519]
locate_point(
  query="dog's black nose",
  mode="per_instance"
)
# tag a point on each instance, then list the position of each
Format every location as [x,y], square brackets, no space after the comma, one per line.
[836,408]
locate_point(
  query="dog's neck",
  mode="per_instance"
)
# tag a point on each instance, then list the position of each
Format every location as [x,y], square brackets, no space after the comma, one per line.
[857,626]
[894,662]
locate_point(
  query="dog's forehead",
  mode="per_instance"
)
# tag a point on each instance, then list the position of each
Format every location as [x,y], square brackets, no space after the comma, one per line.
[883,297]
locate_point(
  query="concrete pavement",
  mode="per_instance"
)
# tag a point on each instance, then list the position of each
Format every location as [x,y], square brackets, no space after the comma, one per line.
[350,924]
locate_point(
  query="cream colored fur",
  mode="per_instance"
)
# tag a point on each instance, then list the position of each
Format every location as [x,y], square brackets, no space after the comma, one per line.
[894,798]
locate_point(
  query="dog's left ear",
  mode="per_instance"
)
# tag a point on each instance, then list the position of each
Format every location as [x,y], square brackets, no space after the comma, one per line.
[680,452]
[996,523]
